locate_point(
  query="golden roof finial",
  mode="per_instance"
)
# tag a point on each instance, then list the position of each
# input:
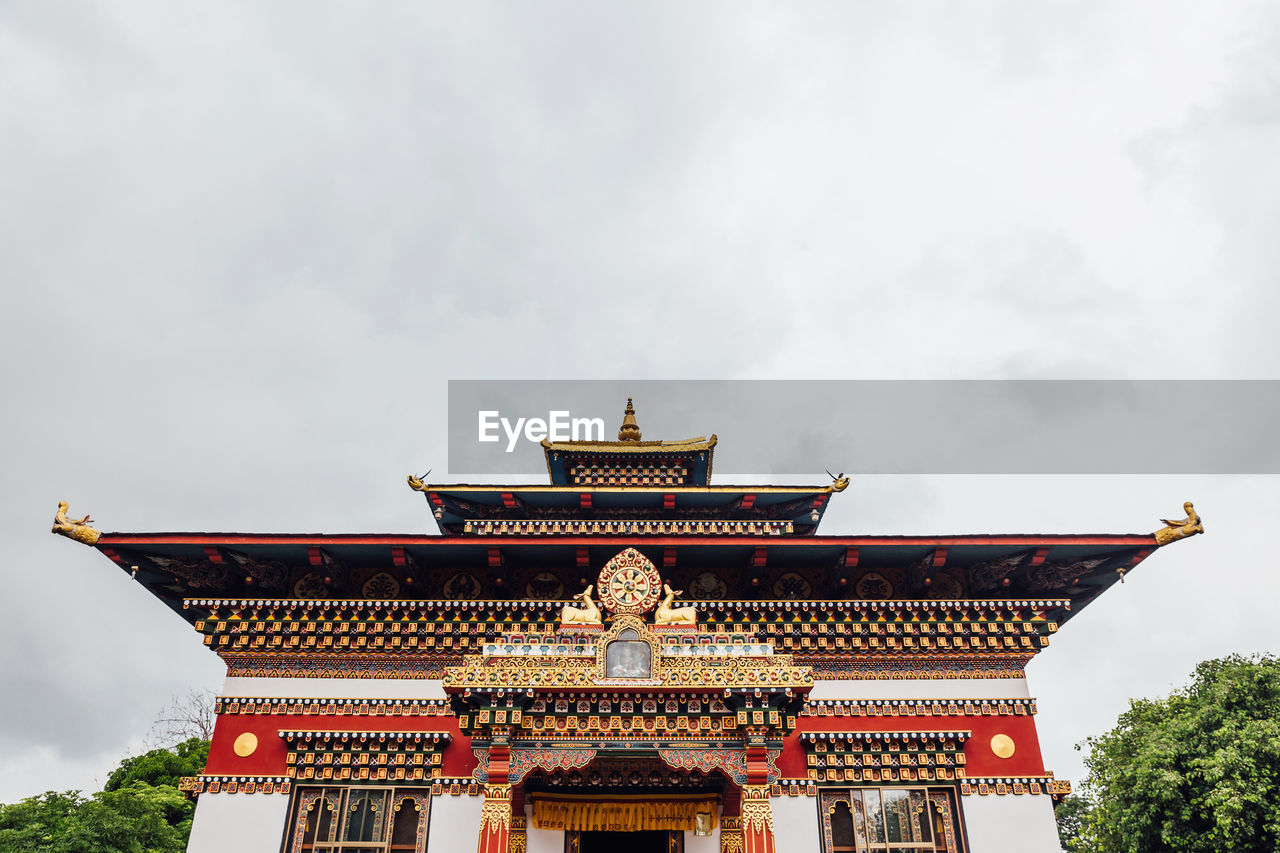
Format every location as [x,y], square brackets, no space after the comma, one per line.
[1180,528]
[74,528]
[630,431]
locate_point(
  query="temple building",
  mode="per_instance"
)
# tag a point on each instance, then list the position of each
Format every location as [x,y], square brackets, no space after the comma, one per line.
[626,659]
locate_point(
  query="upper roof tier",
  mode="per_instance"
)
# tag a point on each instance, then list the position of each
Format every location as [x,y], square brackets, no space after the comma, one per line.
[627,486]
[461,510]
[629,461]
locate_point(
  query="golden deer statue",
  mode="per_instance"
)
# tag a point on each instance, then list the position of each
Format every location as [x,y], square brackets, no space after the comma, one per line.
[668,615]
[587,614]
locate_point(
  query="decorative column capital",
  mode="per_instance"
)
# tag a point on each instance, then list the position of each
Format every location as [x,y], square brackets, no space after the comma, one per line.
[757,819]
[517,841]
[730,834]
[495,819]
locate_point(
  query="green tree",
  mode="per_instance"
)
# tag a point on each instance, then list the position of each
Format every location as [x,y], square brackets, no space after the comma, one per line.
[1196,772]
[140,810]
[161,766]
[136,819]
[1073,814]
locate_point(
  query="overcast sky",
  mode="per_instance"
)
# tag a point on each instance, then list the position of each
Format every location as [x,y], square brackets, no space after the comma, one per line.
[244,245]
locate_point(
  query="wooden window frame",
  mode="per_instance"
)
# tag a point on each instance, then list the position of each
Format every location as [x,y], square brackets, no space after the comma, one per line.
[396,798]
[944,800]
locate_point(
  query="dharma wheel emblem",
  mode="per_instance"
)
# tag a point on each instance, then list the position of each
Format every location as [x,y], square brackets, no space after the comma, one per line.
[629,583]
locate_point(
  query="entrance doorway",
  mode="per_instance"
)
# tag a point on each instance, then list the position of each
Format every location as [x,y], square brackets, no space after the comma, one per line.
[643,841]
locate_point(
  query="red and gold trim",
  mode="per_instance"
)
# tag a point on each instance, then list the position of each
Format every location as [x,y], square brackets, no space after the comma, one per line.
[757,820]
[495,819]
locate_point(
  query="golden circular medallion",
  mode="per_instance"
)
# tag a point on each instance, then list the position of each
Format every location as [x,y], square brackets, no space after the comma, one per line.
[1002,745]
[246,744]
[629,583]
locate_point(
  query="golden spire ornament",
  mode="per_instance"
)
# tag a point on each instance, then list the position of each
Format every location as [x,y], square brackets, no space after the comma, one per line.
[630,431]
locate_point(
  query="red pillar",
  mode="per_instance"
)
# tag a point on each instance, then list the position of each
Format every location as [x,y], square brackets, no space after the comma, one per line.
[517,841]
[731,821]
[495,819]
[757,820]
[495,814]
[756,813]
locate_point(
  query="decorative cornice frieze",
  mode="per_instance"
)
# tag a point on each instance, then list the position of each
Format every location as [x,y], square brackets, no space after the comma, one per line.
[333,707]
[212,783]
[1016,785]
[917,707]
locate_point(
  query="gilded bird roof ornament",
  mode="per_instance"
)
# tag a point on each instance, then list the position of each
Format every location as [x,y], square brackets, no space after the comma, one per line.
[1180,529]
[74,528]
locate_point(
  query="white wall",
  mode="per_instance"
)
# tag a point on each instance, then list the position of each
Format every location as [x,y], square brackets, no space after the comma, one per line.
[545,840]
[694,843]
[1012,823]
[245,823]
[334,688]
[455,824]
[795,824]
[921,688]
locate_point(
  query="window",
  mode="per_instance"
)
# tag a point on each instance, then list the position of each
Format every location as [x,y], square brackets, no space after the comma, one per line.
[628,657]
[358,820]
[894,820]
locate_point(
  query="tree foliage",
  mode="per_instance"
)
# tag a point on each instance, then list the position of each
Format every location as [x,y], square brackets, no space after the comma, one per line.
[140,810]
[136,819]
[162,767]
[1196,772]
[1072,814]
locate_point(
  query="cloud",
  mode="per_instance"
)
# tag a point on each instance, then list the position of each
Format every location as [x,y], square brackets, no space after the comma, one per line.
[244,246]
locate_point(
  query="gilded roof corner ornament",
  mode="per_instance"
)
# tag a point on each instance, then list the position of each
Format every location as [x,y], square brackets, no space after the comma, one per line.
[73,528]
[839,482]
[630,430]
[419,484]
[1181,529]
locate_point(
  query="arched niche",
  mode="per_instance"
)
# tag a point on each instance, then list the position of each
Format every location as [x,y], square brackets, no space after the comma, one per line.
[628,656]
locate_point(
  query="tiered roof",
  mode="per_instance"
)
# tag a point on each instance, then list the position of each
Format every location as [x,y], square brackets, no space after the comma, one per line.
[630,461]
[749,546]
